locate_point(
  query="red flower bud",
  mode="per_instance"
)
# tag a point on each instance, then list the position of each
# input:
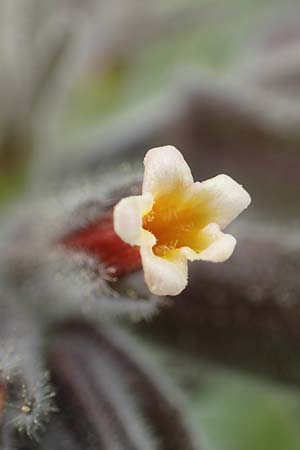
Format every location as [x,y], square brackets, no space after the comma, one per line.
[99,240]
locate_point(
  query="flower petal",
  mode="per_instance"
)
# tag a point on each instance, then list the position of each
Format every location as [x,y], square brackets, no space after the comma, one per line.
[164,276]
[165,171]
[128,215]
[219,250]
[225,198]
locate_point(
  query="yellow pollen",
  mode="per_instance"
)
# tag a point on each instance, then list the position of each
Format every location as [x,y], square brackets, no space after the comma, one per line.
[25,409]
[176,221]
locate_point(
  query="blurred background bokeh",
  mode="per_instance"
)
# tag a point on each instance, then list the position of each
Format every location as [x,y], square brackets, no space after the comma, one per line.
[86,85]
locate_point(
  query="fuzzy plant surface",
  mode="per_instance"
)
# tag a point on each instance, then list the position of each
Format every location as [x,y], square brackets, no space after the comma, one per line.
[67,364]
[72,377]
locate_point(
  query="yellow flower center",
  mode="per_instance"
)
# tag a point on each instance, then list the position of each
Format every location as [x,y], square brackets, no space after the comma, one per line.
[176,220]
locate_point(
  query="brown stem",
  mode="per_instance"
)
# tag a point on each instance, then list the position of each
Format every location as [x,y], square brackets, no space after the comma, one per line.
[245,312]
[163,414]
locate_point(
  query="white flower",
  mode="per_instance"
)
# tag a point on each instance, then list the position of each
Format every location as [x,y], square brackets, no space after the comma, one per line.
[176,219]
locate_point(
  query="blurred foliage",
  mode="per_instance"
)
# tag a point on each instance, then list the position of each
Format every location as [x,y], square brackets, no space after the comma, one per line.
[242,413]
[10,188]
[213,46]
